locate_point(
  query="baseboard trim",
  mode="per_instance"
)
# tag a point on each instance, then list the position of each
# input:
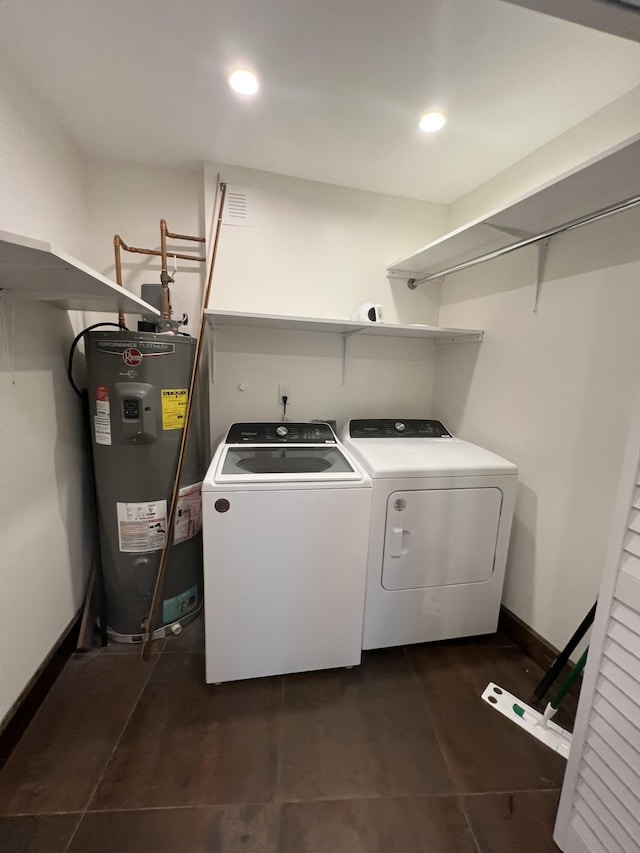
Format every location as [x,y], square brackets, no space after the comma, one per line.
[540,651]
[26,705]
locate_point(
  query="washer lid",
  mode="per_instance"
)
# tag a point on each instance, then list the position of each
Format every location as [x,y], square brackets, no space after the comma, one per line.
[302,463]
[426,457]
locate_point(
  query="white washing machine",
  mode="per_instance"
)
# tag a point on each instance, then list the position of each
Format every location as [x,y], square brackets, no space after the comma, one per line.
[286,514]
[440,523]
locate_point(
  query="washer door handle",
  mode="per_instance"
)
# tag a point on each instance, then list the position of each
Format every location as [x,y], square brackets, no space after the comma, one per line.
[398,543]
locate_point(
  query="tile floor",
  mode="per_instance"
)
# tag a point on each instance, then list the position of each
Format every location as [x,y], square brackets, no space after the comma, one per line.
[396,756]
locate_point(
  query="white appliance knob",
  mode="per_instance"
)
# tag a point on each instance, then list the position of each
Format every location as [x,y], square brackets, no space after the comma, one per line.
[400,426]
[282,430]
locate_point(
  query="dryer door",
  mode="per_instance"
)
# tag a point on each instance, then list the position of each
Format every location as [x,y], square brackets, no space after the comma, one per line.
[440,536]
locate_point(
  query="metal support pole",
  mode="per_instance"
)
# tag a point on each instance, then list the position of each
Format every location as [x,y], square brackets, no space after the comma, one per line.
[541,262]
[156,602]
[603,213]
[345,352]
[213,342]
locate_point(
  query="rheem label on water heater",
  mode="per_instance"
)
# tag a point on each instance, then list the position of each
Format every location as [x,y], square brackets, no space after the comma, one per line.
[174,407]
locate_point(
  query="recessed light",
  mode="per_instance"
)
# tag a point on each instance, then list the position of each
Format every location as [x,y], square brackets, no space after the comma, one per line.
[430,122]
[244,82]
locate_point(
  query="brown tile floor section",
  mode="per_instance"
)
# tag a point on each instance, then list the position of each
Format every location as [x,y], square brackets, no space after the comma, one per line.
[58,761]
[50,833]
[482,750]
[189,743]
[520,822]
[358,733]
[432,825]
[216,829]
[399,754]
[408,825]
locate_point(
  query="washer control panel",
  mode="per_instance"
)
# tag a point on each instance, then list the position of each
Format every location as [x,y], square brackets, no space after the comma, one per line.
[280,433]
[388,428]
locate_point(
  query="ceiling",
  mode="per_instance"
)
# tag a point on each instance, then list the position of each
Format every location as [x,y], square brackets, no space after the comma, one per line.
[343,83]
[620,17]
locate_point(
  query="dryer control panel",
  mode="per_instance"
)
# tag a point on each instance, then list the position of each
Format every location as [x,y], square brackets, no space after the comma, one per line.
[280,433]
[397,428]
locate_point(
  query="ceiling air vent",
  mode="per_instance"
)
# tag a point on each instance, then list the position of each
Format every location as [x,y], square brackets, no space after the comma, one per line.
[237,210]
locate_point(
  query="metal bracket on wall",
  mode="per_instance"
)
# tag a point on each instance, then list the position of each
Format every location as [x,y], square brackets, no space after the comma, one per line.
[401,275]
[213,340]
[460,339]
[7,333]
[512,232]
[345,352]
[541,262]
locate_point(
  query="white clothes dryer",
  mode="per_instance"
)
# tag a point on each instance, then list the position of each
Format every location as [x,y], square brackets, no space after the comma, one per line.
[440,524]
[286,513]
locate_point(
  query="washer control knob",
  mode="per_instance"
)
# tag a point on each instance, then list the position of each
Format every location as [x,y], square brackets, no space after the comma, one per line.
[282,431]
[400,427]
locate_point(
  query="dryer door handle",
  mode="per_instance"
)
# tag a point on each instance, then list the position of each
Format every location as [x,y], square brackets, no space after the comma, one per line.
[398,543]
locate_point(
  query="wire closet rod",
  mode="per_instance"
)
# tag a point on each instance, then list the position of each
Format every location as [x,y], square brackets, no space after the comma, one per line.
[634,201]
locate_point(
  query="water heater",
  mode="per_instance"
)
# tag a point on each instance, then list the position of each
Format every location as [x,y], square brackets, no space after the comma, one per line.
[138,389]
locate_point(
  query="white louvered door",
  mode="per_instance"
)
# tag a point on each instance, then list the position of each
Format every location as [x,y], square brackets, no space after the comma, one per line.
[599,808]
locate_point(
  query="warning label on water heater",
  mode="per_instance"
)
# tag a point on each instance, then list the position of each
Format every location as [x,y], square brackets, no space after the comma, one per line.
[174,407]
[102,417]
[143,526]
[188,513]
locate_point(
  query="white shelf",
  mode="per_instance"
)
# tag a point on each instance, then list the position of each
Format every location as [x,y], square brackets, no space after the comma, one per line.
[605,180]
[220,319]
[35,270]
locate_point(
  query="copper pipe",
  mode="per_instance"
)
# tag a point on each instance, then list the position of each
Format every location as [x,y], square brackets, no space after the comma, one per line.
[139,251]
[185,237]
[173,236]
[119,244]
[116,249]
[163,244]
[156,252]
[163,224]
[154,611]
[164,276]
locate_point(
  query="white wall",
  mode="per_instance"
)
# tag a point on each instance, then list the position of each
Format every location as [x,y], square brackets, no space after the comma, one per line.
[385,377]
[318,250]
[130,199]
[44,554]
[604,130]
[553,392]
[571,365]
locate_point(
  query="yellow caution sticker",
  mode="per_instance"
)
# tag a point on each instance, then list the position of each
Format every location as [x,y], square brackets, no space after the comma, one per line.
[174,407]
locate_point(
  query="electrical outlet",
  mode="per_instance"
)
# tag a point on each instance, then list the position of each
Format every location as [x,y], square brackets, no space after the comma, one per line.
[284,391]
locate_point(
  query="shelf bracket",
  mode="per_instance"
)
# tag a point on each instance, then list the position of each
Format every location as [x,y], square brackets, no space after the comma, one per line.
[512,232]
[213,340]
[345,352]
[7,337]
[401,275]
[541,262]
[460,339]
